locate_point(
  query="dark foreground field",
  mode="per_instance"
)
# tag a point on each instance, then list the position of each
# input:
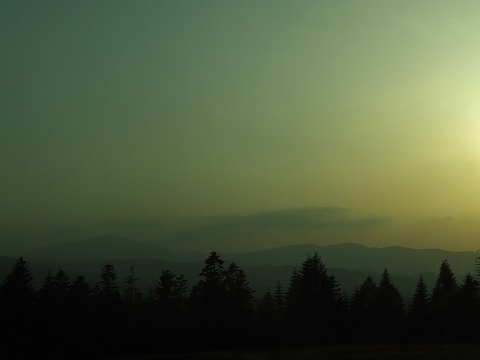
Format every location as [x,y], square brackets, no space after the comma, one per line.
[351,352]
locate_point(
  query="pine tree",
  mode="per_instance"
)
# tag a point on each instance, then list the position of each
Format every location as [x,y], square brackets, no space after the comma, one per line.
[213,271]
[279,297]
[444,304]
[239,303]
[363,307]
[445,287]
[390,306]
[267,322]
[108,287]
[314,301]
[468,305]
[477,268]
[208,303]
[237,287]
[418,307]
[170,289]
[48,289]
[62,283]
[80,291]
[17,289]
[131,292]
[17,300]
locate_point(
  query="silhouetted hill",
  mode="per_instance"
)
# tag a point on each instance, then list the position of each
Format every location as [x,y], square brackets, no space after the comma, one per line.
[109,247]
[398,260]
[350,263]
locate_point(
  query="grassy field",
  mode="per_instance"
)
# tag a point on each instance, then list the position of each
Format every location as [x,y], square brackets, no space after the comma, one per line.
[351,352]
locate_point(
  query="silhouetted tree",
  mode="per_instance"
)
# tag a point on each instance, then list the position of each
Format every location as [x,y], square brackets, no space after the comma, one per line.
[170,290]
[315,302]
[279,297]
[443,303]
[17,300]
[468,304]
[445,287]
[55,313]
[16,291]
[169,298]
[82,317]
[363,308]
[108,287]
[80,290]
[208,304]
[419,327]
[222,295]
[239,300]
[53,293]
[390,307]
[131,292]
[477,268]
[109,318]
[267,322]
[418,307]
[47,289]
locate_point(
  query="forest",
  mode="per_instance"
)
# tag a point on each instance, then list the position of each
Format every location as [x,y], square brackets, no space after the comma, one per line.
[71,318]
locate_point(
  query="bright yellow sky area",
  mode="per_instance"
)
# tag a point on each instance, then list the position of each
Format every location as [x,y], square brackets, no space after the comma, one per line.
[130,113]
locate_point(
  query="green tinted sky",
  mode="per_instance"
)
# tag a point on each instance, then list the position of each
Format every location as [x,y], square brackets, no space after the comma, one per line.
[136,112]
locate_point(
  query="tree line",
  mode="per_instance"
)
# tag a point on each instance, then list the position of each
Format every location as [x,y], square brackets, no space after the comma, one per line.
[221,311]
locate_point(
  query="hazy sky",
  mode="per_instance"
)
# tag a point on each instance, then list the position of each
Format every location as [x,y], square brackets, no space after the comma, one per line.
[240,124]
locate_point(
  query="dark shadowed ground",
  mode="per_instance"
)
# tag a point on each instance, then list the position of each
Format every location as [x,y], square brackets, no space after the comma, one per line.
[470,351]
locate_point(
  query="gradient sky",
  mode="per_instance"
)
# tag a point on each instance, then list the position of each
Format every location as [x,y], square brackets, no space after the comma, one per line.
[153,118]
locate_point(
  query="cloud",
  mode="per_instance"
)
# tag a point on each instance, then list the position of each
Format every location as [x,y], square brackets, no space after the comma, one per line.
[299,218]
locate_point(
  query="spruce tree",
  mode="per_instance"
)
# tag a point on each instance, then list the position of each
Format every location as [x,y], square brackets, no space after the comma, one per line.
[445,287]
[17,291]
[279,297]
[468,305]
[207,301]
[418,307]
[315,302]
[17,301]
[390,307]
[363,307]
[444,304]
[131,291]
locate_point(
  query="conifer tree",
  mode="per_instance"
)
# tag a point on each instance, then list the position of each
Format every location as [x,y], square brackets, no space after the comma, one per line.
[237,287]
[314,300]
[418,307]
[170,289]
[79,292]
[279,296]
[208,306]
[239,303]
[444,304]
[390,306]
[17,287]
[477,268]
[131,292]
[363,307]
[267,321]
[17,300]
[468,305]
[108,291]
[445,287]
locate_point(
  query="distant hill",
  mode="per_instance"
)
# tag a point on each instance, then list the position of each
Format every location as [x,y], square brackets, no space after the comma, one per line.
[109,247]
[398,260]
[350,263]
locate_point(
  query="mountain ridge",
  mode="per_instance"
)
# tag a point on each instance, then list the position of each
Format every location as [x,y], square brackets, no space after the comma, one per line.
[352,256]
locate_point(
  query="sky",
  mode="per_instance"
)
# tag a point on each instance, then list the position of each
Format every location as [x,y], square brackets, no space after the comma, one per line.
[240,125]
